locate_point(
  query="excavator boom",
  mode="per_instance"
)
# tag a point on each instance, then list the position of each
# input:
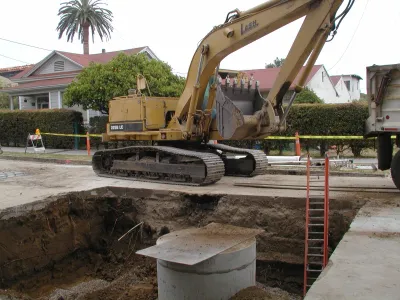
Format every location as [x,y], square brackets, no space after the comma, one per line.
[243,28]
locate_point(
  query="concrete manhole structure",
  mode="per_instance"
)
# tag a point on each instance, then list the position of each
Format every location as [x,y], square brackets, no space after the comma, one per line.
[67,246]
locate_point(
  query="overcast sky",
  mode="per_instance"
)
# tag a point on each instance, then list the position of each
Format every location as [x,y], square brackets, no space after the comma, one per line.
[173,28]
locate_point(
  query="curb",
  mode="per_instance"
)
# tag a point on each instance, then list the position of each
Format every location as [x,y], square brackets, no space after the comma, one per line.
[48,160]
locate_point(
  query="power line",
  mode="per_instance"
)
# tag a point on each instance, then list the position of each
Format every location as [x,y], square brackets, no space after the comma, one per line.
[15,59]
[348,45]
[24,44]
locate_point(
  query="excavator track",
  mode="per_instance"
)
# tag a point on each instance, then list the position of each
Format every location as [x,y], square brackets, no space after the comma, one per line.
[161,164]
[255,163]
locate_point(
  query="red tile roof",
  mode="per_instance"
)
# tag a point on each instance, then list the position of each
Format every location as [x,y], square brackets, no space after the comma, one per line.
[335,79]
[12,69]
[40,83]
[21,74]
[267,77]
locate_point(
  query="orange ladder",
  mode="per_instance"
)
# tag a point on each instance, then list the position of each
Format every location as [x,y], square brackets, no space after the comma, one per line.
[316,231]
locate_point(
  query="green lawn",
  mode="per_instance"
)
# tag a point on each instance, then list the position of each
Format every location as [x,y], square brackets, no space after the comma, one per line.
[49,156]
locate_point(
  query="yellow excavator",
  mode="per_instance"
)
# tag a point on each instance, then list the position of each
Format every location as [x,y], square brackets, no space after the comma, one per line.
[181,128]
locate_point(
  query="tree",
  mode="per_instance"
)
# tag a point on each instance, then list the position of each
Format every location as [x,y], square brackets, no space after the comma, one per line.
[4,101]
[278,62]
[99,83]
[77,16]
[4,98]
[308,96]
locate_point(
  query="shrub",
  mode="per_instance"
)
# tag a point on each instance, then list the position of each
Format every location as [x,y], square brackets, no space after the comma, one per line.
[322,119]
[98,125]
[16,124]
[330,119]
[308,96]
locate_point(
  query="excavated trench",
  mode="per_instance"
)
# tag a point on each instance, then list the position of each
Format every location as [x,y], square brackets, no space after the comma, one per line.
[67,247]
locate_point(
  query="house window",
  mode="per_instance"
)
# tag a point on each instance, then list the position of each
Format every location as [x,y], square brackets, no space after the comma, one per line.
[59,66]
[42,102]
[322,76]
[347,83]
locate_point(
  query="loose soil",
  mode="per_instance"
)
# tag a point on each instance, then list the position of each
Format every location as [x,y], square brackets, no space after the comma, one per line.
[67,247]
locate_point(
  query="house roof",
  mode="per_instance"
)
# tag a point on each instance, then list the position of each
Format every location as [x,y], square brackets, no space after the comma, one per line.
[37,84]
[353,75]
[85,59]
[13,69]
[82,60]
[335,79]
[267,77]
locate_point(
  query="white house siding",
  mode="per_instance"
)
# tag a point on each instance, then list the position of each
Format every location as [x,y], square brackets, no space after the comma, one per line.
[27,102]
[354,88]
[323,87]
[344,95]
[53,99]
[93,113]
[48,67]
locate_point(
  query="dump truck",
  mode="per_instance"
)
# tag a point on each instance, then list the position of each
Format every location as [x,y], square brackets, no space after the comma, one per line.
[180,128]
[383,92]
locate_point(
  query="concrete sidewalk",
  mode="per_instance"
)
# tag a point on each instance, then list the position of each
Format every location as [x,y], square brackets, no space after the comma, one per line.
[48,151]
[366,263]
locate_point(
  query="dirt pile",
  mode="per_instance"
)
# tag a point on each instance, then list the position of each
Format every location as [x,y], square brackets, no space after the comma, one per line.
[262,292]
[67,247]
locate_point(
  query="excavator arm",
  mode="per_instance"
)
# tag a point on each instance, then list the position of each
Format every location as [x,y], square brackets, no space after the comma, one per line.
[239,30]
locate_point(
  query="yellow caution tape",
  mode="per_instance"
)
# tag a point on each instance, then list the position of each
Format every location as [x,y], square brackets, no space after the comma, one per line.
[73,135]
[339,137]
[322,137]
[304,137]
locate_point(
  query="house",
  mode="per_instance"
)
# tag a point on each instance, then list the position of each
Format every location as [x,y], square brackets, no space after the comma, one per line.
[352,82]
[318,81]
[42,85]
[341,88]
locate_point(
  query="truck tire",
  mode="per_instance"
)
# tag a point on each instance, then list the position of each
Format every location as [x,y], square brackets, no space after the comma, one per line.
[385,151]
[395,169]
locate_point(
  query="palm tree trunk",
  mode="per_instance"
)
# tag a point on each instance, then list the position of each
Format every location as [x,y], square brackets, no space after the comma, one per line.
[85,38]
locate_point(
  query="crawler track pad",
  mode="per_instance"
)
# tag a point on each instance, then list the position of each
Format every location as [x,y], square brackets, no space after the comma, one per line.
[253,163]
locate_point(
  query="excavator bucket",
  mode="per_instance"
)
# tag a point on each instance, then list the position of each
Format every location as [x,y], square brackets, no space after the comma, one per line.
[232,104]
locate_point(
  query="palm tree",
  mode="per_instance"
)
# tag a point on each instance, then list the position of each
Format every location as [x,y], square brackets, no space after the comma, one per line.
[78,15]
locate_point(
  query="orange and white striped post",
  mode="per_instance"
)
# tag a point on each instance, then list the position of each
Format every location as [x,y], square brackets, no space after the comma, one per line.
[298,147]
[88,142]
